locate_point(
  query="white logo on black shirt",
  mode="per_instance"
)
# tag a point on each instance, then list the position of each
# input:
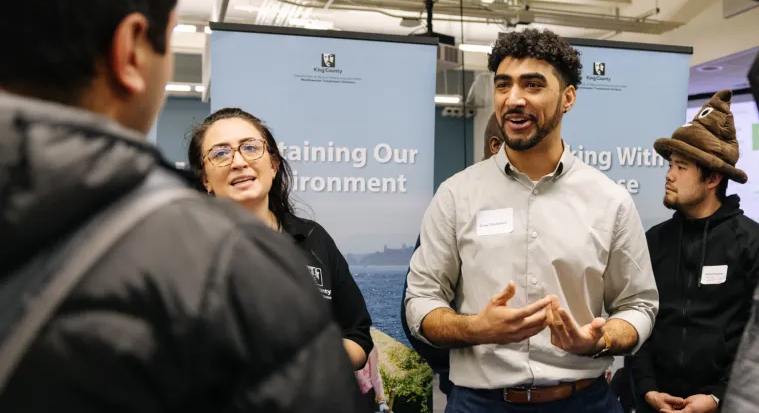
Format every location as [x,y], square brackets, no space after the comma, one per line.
[316,272]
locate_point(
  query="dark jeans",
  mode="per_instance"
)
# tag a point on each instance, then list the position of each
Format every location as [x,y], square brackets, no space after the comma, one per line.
[596,398]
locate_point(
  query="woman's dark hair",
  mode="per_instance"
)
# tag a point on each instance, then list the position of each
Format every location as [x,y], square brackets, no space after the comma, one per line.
[279,194]
[546,46]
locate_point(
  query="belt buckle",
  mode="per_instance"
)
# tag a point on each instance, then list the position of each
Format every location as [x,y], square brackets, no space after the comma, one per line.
[518,388]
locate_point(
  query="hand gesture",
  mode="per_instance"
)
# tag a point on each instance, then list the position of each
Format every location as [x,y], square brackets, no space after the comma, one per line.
[699,403]
[663,402]
[500,324]
[566,335]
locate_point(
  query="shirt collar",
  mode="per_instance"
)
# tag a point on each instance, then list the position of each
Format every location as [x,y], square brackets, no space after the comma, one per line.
[564,165]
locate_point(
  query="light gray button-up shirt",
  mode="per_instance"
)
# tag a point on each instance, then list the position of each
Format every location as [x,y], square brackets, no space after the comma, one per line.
[575,234]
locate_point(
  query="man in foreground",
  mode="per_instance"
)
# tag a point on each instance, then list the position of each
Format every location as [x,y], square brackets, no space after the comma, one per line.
[705,264]
[198,307]
[531,245]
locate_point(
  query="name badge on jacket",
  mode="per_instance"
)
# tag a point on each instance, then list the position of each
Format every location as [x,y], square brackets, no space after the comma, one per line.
[714,274]
[495,221]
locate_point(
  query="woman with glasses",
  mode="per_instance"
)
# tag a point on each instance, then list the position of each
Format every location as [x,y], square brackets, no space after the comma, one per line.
[236,157]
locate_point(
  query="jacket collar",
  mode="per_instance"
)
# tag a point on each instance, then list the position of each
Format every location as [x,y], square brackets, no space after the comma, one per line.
[730,207]
[298,228]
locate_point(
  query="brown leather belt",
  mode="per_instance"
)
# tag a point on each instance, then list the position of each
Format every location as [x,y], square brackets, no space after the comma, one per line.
[545,394]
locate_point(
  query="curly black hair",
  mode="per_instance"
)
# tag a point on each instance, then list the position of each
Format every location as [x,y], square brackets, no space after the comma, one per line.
[546,46]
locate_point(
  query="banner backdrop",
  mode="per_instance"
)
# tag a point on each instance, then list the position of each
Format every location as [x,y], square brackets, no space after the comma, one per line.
[630,95]
[354,116]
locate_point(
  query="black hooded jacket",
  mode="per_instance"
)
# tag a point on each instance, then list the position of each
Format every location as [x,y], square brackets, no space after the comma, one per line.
[703,307]
[333,279]
[199,308]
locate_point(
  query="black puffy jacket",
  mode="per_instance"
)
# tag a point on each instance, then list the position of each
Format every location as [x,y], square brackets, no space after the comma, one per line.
[701,316]
[199,308]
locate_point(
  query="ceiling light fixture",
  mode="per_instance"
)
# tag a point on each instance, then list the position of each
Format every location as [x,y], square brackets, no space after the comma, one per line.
[185,28]
[477,48]
[312,24]
[178,88]
[448,99]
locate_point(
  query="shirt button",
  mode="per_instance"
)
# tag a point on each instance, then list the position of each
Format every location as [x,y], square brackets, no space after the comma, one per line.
[537,369]
[534,280]
[534,234]
[535,191]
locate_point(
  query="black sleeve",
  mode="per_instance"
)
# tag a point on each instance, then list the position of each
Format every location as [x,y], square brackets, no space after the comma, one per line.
[642,367]
[348,303]
[270,343]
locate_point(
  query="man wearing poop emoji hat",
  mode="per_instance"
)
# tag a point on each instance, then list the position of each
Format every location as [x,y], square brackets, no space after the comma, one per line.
[705,265]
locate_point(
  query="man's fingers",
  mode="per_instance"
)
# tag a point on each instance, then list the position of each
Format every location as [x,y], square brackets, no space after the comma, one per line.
[529,332]
[672,400]
[504,296]
[569,324]
[559,326]
[596,325]
[566,319]
[538,319]
[536,306]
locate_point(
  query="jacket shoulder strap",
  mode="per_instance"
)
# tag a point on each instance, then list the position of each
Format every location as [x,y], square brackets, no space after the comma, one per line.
[32,294]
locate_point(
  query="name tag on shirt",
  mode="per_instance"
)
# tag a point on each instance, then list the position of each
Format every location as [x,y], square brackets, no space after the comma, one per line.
[714,274]
[495,221]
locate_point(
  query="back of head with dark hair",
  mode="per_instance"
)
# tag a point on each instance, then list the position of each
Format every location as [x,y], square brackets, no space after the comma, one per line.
[279,194]
[50,48]
[541,45]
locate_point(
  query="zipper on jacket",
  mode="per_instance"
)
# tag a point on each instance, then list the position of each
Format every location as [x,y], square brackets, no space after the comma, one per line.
[682,348]
[679,254]
[703,252]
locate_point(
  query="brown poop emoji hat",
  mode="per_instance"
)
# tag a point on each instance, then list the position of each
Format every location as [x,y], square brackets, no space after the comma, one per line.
[709,139]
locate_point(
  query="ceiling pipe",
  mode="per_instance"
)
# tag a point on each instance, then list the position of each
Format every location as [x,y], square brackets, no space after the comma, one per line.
[496,12]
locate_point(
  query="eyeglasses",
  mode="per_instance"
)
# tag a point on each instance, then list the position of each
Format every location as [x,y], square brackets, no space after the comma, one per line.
[222,155]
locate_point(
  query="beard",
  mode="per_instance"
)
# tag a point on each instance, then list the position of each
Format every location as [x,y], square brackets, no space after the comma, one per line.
[674,202]
[670,203]
[541,131]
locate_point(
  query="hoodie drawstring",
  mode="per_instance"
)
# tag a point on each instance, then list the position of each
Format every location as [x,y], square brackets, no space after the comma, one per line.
[703,252]
[679,252]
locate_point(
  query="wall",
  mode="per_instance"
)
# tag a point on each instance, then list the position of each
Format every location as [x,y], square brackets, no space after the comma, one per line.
[451,154]
[180,114]
[174,123]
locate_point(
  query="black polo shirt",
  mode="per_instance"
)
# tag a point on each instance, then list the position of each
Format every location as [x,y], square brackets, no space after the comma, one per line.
[333,278]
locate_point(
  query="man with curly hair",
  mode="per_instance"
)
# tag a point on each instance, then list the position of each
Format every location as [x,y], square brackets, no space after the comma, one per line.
[544,256]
